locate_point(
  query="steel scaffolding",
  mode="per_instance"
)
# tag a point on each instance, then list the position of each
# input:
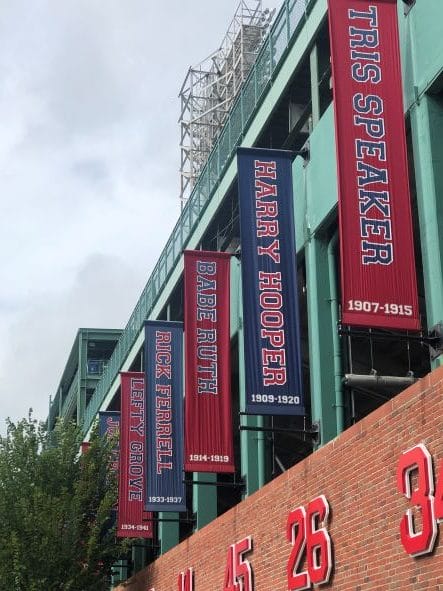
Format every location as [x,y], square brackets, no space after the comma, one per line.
[210,88]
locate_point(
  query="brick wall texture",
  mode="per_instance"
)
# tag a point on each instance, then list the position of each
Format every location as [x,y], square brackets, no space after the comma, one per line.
[357,474]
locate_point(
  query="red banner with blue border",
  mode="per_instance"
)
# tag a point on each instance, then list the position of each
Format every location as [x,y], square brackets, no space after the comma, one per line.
[269,279]
[132,519]
[378,279]
[165,489]
[209,445]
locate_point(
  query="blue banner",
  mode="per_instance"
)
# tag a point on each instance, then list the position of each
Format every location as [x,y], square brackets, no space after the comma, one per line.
[269,279]
[108,426]
[165,490]
[108,422]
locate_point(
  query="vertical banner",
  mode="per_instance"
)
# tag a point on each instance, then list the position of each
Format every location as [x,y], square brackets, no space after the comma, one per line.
[165,490]
[378,278]
[209,445]
[84,447]
[132,521]
[108,426]
[269,279]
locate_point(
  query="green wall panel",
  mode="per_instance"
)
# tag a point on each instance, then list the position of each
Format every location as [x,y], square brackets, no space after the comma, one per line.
[321,172]
[426,39]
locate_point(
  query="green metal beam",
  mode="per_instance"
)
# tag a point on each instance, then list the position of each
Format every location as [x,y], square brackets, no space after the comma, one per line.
[204,499]
[427,134]
[138,556]
[336,344]
[168,532]
[315,92]
[120,572]
[321,349]
[252,443]
[81,392]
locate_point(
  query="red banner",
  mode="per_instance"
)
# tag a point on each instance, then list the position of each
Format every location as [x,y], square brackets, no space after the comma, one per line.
[377,252]
[133,521]
[84,447]
[208,422]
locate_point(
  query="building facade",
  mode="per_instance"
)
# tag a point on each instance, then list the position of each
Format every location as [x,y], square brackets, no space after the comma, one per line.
[86,363]
[287,102]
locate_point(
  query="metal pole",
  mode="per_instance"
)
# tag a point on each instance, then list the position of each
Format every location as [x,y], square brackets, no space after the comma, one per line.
[338,382]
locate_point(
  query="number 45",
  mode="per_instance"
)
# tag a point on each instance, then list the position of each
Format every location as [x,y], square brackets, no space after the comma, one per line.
[238,573]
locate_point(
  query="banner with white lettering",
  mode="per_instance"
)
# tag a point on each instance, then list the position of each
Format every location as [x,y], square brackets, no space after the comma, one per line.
[378,279]
[269,279]
[133,521]
[165,490]
[209,445]
[109,426]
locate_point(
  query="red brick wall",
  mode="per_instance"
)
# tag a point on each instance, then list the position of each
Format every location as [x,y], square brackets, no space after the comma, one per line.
[357,473]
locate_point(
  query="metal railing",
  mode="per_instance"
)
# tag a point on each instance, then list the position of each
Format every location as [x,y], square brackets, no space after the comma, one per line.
[282,34]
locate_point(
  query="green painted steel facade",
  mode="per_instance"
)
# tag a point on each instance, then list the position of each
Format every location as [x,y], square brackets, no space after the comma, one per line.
[86,363]
[294,41]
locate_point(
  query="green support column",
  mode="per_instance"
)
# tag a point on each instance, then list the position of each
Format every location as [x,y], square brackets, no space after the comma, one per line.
[138,556]
[427,134]
[120,572]
[321,350]
[204,499]
[82,378]
[252,443]
[315,93]
[168,532]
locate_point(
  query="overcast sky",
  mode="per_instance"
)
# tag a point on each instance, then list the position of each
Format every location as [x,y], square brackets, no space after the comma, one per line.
[89,159]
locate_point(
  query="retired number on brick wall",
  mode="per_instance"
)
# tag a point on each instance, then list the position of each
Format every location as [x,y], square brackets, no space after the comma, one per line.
[306,530]
[418,527]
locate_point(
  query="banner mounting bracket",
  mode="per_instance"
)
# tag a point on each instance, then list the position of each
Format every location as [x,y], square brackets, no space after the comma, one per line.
[313,431]
[433,339]
[234,484]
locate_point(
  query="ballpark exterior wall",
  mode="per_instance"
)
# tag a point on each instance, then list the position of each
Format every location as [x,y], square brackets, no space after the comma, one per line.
[357,474]
[315,202]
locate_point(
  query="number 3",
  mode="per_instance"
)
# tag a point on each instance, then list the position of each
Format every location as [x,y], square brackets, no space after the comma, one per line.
[418,459]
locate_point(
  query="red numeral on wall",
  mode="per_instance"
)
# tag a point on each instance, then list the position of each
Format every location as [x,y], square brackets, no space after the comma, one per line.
[230,583]
[186,580]
[306,530]
[238,572]
[296,534]
[416,465]
[318,541]
[438,505]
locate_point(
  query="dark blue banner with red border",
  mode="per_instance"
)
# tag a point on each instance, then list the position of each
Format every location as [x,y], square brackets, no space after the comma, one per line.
[109,426]
[269,279]
[165,490]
